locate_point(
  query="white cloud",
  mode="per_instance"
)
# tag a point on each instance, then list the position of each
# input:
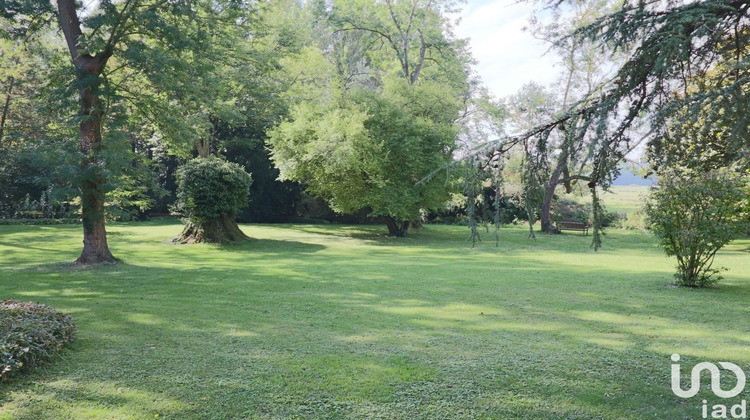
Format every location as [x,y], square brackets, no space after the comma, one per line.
[508,57]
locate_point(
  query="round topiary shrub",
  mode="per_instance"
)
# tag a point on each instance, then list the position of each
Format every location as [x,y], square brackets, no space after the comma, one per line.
[210,192]
[30,333]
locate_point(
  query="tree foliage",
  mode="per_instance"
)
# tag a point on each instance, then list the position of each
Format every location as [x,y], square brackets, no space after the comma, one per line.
[209,188]
[377,110]
[694,215]
[585,66]
[672,51]
[371,151]
[210,192]
[139,68]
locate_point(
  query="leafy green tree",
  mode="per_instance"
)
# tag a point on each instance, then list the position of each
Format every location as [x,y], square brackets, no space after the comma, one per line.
[370,152]
[37,156]
[134,57]
[694,215]
[210,192]
[376,114]
[585,66]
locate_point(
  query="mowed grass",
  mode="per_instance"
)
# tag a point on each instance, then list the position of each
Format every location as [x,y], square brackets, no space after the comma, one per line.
[344,322]
[623,199]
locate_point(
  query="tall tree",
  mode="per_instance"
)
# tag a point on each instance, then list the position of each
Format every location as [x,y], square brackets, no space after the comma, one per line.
[88,69]
[392,82]
[667,45]
[585,66]
[161,44]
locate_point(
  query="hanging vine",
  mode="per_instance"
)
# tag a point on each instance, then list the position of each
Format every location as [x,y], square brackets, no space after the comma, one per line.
[498,183]
[598,211]
[534,172]
[471,197]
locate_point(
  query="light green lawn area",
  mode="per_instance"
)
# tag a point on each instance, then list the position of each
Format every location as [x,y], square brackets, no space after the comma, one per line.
[343,322]
[623,199]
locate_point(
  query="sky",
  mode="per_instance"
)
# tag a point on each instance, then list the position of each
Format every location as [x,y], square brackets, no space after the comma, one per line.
[508,57]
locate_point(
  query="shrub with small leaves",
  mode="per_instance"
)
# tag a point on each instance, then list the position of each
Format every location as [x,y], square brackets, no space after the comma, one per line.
[30,333]
[209,188]
[694,215]
[566,210]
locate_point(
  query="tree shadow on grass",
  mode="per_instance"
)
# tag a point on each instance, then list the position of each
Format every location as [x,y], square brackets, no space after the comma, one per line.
[597,357]
[305,334]
[272,246]
[353,351]
[441,237]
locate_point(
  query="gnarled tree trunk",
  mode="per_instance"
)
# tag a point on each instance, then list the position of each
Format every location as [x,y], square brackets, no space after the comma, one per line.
[395,228]
[95,247]
[545,216]
[220,231]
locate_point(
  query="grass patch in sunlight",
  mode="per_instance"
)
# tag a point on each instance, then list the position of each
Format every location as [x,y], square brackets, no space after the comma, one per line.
[343,321]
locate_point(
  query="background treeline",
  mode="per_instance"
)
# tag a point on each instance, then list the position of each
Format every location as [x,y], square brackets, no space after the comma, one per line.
[153,126]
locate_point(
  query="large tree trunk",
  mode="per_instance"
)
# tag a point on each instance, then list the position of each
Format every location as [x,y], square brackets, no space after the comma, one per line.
[545,216]
[88,75]
[394,228]
[6,107]
[203,146]
[221,231]
[95,248]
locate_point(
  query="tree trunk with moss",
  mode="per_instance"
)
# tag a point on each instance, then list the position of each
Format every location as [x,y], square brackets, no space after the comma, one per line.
[88,77]
[220,231]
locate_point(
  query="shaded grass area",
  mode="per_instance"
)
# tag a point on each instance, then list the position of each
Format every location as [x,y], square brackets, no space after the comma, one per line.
[342,321]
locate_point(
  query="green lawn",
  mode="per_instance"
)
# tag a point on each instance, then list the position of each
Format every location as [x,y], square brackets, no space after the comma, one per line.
[341,321]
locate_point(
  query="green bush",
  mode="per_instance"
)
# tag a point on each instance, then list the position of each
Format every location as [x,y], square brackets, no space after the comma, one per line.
[695,215]
[30,333]
[611,218]
[44,221]
[634,220]
[566,210]
[208,188]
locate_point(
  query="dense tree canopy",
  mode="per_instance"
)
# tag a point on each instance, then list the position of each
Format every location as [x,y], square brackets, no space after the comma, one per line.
[358,102]
[394,85]
[143,69]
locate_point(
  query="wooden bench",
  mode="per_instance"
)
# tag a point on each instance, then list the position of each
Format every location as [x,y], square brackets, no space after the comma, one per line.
[577,226]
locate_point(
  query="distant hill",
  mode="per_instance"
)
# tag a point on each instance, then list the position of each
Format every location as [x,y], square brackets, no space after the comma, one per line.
[627,177]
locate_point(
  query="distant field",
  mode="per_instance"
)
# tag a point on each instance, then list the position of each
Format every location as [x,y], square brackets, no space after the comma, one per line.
[626,198]
[623,199]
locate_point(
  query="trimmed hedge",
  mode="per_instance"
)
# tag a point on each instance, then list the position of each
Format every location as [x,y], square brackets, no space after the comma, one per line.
[40,222]
[30,333]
